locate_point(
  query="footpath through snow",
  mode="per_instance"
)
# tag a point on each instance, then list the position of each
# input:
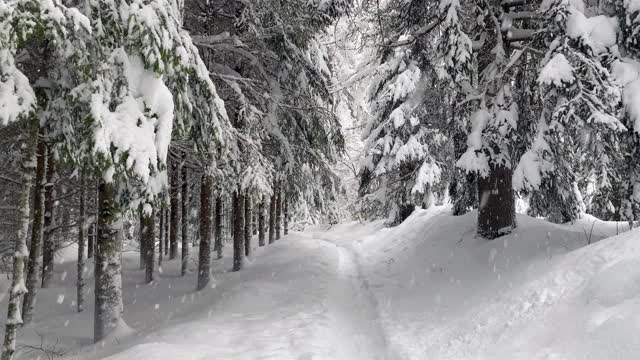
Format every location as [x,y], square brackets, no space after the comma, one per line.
[427,289]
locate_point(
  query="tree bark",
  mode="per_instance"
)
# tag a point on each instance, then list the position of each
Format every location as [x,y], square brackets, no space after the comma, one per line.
[48,243]
[14,318]
[278,211]
[496,213]
[238,227]
[35,250]
[261,223]
[82,237]
[174,194]
[185,222]
[286,214]
[204,256]
[272,218]
[149,234]
[219,229]
[108,269]
[247,224]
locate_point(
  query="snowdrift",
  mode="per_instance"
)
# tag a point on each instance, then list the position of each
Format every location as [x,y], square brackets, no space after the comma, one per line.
[539,293]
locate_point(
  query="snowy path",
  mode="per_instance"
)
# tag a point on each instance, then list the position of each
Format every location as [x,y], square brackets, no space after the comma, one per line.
[301,298]
[355,312]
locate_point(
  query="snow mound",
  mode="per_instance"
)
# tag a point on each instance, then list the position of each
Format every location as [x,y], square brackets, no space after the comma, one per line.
[539,293]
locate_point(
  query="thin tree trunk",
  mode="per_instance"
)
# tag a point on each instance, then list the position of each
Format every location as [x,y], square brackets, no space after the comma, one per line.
[247,225]
[142,237]
[219,225]
[261,223]
[48,243]
[286,214]
[185,222]
[278,211]
[108,270]
[82,237]
[149,234]
[174,193]
[272,218]
[238,230]
[93,232]
[167,230]
[254,221]
[204,256]
[162,236]
[35,251]
[14,318]
[496,213]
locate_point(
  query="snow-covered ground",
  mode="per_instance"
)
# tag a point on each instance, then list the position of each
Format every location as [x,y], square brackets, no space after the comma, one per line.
[427,289]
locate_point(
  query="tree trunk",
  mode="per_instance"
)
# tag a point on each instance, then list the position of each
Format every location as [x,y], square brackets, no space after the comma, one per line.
[142,237]
[286,214]
[35,260]
[496,215]
[48,243]
[272,218]
[166,230]
[204,256]
[254,221]
[185,222]
[149,234]
[238,230]
[93,233]
[219,222]
[247,225]
[278,211]
[108,271]
[161,237]
[174,194]
[261,223]
[14,318]
[94,227]
[82,237]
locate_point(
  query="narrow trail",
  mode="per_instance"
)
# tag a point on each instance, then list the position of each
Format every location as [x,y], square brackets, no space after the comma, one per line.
[358,331]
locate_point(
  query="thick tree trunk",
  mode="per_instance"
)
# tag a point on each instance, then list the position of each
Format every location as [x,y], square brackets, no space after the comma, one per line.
[204,256]
[14,318]
[185,222]
[219,229]
[254,221]
[238,230]
[82,237]
[35,250]
[272,218]
[247,225]
[48,242]
[149,234]
[496,215]
[261,223]
[278,211]
[174,194]
[108,271]
[286,214]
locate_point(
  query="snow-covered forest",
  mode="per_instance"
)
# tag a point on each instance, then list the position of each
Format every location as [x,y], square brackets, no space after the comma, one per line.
[320,179]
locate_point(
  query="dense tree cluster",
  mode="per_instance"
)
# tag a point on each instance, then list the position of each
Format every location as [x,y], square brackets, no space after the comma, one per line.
[486,102]
[184,123]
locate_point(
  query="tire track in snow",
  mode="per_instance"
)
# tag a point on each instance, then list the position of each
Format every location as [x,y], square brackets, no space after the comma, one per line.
[358,331]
